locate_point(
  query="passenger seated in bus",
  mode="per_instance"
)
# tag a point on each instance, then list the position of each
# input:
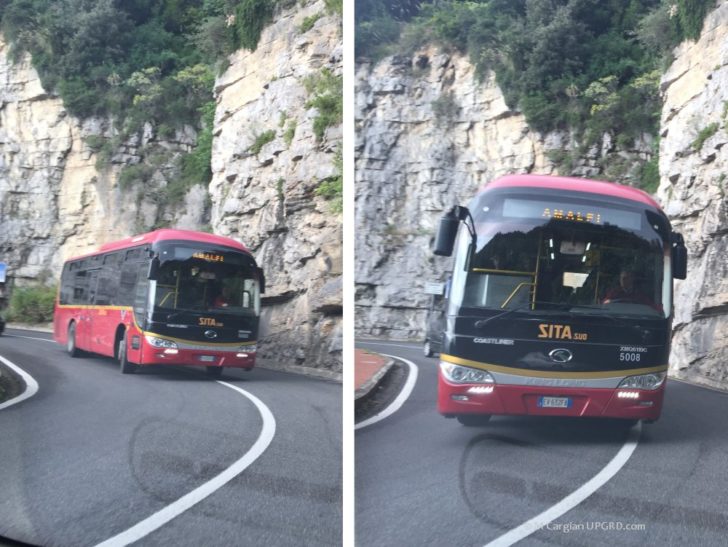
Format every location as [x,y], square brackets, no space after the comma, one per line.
[627,291]
[224,298]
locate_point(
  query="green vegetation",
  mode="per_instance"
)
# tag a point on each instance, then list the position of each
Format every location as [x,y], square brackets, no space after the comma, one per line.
[136,61]
[32,304]
[590,66]
[131,174]
[332,188]
[445,108]
[326,95]
[309,22]
[261,140]
[290,132]
[704,134]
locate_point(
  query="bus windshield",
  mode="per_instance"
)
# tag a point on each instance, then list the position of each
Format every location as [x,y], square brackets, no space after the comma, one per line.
[218,282]
[524,261]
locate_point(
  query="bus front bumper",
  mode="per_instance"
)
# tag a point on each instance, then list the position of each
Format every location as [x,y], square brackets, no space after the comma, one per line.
[209,357]
[506,399]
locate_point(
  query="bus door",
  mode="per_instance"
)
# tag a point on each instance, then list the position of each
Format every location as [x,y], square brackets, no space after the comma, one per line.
[84,329]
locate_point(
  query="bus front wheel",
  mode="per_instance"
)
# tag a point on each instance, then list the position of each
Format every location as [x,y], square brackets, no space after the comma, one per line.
[473,420]
[124,365]
[71,346]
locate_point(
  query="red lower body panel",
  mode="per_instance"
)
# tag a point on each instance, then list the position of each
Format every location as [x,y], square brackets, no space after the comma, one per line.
[503,399]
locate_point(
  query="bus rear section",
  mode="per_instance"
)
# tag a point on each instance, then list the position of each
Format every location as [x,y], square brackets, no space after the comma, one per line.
[560,302]
[174,297]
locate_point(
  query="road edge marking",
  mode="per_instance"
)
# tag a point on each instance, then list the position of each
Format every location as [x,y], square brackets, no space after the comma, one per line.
[575,498]
[403,395]
[31,386]
[173,510]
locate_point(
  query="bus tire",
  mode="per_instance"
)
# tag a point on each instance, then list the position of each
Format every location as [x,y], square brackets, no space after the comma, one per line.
[214,372]
[71,346]
[427,349]
[473,420]
[124,365]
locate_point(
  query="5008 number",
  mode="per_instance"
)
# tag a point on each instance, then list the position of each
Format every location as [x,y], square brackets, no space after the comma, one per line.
[631,357]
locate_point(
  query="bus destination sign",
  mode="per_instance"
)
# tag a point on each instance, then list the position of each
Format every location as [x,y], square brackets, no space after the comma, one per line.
[210,257]
[541,209]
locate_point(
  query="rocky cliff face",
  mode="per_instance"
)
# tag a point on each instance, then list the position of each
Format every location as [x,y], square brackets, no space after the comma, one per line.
[694,183]
[56,199]
[267,198]
[429,134]
[59,198]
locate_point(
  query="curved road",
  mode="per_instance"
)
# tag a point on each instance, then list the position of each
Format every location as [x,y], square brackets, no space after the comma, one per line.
[93,453]
[422,479]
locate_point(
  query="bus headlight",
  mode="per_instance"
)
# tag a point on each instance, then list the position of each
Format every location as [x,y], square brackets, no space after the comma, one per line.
[465,375]
[248,349]
[643,381]
[160,342]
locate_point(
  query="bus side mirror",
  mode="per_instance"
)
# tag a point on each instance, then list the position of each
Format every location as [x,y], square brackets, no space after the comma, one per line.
[261,280]
[153,268]
[679,257]
[445,239]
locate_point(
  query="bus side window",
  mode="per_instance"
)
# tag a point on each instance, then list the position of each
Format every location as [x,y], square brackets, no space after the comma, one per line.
[66,291]
[80,288]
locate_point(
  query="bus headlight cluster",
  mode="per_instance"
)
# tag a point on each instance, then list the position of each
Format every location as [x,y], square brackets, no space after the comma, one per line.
[248,349]
[643,381]
[465,375]
[160,342]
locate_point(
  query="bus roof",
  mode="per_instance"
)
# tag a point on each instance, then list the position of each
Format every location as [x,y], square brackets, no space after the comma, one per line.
[165,234]
[575,185]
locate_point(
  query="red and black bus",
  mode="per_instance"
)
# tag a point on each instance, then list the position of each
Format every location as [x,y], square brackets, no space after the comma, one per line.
[560,301]
[166,297]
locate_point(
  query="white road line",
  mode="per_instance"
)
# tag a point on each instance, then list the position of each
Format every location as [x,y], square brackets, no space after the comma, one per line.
[163,516]
[576,497]
[31,386]
[29,338]
[401,398]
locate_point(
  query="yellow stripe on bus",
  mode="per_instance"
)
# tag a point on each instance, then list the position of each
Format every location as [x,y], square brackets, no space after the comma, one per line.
[547,374]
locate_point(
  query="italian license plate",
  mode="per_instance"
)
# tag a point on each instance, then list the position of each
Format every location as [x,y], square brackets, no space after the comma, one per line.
[207,358]
[554,402]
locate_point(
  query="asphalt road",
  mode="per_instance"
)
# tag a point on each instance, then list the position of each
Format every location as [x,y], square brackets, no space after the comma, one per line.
[94,452]
[422,479]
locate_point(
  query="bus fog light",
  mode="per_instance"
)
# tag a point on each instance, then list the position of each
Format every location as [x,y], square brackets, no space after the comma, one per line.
[480,389]
[170,351]
[643,381]
[160,342]
[465,375]
[628,395]
[241,355]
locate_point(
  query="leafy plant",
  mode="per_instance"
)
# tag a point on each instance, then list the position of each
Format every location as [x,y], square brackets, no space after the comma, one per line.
[332,188]
[326,96]
[261,140]
[703,135]
[308,22]
[290,132]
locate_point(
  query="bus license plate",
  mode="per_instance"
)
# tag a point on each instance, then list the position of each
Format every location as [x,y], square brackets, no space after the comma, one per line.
[207,358]
[554,402]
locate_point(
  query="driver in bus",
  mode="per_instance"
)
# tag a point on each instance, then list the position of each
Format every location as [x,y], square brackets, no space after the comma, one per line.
[627,291]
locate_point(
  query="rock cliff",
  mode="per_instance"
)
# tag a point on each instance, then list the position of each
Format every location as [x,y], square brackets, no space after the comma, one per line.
[693,187]
[62,192]
[267,197]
